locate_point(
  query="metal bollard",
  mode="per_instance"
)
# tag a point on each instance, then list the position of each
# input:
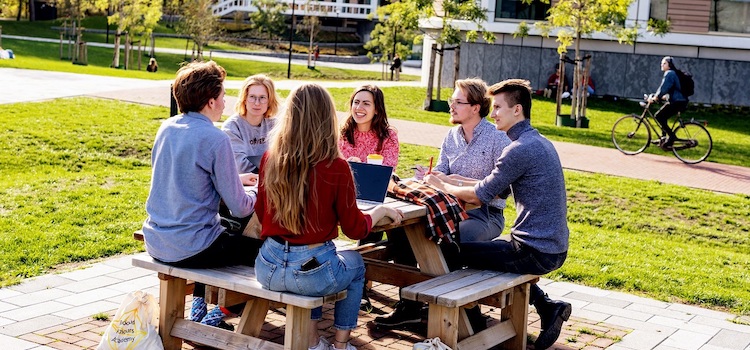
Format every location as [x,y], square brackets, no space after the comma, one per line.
[172,103]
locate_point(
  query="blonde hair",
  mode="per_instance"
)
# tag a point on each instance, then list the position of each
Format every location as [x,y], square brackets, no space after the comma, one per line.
[305,135]
[273,98]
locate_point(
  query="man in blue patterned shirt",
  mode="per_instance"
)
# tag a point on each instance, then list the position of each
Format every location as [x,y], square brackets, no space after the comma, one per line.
[468,154]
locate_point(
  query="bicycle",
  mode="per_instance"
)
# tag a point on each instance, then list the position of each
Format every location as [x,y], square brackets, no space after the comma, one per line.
[631,135]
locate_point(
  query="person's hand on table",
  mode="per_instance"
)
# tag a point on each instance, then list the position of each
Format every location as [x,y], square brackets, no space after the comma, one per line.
[354,159]
[435,180]
[381,211]
[249,179]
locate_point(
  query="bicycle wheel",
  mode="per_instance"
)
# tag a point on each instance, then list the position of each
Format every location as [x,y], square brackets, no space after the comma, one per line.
[630,134]
[693,144]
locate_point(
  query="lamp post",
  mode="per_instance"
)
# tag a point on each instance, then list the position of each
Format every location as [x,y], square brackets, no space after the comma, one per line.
[336,40]
[291,38]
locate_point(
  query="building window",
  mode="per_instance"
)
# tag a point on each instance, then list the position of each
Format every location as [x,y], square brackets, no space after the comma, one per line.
[517,9]
[659,9]
[730,16]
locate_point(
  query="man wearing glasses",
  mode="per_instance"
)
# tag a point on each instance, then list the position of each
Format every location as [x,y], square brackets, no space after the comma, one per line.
[531,171]
[468,153]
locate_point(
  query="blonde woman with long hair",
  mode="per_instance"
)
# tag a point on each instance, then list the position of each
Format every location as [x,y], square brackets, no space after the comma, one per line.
[306,192]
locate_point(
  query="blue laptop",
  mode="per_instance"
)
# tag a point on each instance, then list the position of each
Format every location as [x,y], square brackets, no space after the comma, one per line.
[371,181]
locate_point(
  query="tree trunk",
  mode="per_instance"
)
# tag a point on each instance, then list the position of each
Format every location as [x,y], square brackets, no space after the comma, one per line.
[20,9]
[310,49]
[430,80]
[127,50]
[153,45]
[32,11]
[440,70]
[116,57]
[575,98]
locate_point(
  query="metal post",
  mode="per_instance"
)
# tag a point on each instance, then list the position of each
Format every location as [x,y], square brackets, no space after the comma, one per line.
[336,41]
[291,38]
[172,103]
[393,54]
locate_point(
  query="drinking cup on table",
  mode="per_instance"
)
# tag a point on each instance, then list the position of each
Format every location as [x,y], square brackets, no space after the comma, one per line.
[374,159]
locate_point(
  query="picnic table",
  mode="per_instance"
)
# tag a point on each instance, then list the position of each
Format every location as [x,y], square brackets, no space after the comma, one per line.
[447,318]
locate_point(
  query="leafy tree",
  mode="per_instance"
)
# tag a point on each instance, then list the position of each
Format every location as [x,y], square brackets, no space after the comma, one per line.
[311,24]
[137,17]
[198,22]
[75,11]
[573,19]
[448,13]
[396,31]
[269,18]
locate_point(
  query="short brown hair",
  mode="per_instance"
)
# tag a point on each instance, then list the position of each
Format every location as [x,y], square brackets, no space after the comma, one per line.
[517,92]
[475,90]
[196,83]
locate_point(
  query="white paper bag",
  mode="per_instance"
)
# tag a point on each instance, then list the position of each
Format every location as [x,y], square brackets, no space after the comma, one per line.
[431,344]
[134,325]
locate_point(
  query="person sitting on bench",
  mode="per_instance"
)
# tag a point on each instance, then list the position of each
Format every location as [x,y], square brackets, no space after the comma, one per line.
[530,169]
[193,169]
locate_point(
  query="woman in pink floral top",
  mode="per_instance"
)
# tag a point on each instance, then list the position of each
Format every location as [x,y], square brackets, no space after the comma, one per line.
[366,130]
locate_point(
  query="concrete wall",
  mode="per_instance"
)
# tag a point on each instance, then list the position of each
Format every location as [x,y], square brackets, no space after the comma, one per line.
[628,75]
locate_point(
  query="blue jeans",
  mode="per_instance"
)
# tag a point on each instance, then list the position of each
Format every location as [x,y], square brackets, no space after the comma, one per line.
[484,224]
[511,256]
[278,266]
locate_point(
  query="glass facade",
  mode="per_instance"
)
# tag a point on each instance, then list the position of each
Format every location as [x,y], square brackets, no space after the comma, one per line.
[730,16]
[517,9]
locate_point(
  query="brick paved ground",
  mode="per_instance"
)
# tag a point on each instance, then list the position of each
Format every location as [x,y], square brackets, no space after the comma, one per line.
[578,333]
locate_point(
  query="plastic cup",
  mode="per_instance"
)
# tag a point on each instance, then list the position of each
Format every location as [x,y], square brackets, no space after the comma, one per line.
[375,159]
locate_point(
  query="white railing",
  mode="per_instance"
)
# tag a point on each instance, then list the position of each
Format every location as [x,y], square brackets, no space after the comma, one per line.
[303,8]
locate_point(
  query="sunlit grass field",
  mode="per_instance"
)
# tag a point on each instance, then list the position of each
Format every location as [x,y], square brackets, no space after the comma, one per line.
[75,177]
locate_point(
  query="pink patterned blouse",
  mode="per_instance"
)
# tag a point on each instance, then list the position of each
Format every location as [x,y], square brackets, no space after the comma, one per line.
[366,142]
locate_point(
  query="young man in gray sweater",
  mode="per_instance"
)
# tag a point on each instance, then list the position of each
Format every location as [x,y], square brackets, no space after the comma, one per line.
[530,170]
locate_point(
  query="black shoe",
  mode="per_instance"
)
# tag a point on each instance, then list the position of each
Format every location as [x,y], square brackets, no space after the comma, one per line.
[552,314]
[476,319]
[224,325]
[364,303]
[404,313]
[659,141]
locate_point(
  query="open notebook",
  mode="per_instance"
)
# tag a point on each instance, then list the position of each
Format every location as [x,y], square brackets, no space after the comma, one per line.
[371,181]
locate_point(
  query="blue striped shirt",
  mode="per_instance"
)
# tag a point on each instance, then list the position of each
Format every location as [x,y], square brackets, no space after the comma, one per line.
[475,159]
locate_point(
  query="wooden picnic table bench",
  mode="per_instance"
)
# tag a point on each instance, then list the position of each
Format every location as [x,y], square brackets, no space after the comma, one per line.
[241,282]
[448,294]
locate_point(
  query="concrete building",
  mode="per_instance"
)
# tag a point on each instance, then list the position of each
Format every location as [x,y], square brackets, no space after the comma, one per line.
[709,38]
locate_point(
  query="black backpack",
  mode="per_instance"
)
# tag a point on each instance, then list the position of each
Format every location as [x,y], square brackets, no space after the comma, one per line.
[687,85]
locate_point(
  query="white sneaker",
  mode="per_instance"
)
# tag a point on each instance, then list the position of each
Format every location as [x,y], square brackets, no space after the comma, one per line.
[323,344]
[349,346]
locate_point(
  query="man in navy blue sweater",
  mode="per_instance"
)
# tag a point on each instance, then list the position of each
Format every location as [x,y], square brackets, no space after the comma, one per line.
[529,169]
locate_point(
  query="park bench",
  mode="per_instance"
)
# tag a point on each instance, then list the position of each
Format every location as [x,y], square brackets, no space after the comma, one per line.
[447,294]
[235,284]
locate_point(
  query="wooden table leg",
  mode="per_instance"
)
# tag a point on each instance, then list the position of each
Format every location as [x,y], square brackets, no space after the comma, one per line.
[298,325]
[429,256]
[517,313]
[443,323]
[253,317]
[171,308]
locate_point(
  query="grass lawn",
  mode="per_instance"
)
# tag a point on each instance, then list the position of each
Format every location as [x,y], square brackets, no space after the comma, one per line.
[75,177]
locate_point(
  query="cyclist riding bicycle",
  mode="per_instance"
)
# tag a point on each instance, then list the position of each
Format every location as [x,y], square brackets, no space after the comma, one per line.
[670,86]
